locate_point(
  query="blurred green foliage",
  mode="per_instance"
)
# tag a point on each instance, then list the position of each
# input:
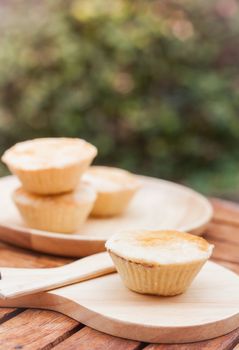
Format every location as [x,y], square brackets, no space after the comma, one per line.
[153,84]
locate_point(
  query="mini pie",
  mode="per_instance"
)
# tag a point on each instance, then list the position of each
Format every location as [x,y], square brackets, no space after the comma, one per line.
[56,213]
[115,188]
[50,165]
[158,262]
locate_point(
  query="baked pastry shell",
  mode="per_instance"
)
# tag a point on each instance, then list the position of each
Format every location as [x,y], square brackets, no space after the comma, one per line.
[112,203]
[165,280]
[54,215]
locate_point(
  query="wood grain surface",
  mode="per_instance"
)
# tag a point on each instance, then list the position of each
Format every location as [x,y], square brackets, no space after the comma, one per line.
[45,330]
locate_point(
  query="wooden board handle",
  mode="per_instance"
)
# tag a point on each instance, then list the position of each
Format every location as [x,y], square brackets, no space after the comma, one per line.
[17,282]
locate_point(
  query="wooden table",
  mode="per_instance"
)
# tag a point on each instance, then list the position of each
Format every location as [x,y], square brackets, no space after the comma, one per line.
[39,329]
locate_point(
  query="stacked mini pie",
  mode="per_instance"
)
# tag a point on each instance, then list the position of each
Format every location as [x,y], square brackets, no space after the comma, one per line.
[53,196]
[115,189]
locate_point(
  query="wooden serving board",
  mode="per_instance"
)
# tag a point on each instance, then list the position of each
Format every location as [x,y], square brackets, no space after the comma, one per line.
[208,309]
[158,205]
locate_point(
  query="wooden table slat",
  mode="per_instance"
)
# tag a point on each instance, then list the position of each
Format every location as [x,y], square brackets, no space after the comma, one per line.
[226,342]
[223,233]
[225,211]
[8,313]
[88,338]
[11,256]
[36,329]
[225,248]
[225,251]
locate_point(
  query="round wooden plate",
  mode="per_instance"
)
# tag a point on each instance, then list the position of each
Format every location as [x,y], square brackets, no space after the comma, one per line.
[208,309]
[159,204]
